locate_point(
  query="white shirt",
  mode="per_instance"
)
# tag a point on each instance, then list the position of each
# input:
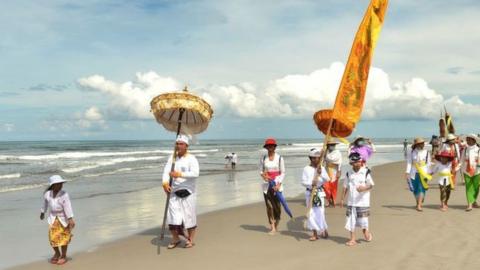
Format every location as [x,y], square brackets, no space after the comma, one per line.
[355,180]
[309,173]
[234,158]
[439,168]
[472,154]
[60,207]
[417,156]
[275,165]
[188,166]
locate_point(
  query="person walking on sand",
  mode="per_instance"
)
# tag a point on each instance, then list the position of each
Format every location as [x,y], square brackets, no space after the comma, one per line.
[234,160]
[333,165]
[182,207]
[313,182]
[441,172]
[452,146]
[416,174]
[272,171]
[470,164]
[60,218]
[357,186]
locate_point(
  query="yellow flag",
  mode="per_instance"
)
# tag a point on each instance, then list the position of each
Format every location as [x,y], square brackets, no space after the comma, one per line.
[351,93]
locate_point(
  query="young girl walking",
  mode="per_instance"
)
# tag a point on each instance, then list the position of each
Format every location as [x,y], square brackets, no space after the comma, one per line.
[60,218]
[441,172]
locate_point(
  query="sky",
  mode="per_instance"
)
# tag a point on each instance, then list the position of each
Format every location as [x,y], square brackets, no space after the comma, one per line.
[87,70]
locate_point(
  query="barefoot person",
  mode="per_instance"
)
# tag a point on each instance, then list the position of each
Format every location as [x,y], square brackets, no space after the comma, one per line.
[470,164]
[357,186]
[333,164]
[272,171]
[182,207]
[316,221]
[416,174]
[441,172]
[60,218]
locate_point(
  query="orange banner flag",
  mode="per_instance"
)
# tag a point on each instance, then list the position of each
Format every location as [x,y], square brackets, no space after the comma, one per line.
[351,93]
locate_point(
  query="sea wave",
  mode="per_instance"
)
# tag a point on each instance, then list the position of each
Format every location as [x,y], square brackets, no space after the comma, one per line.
[107,163]
[83,155]
[21,187]
[9,176]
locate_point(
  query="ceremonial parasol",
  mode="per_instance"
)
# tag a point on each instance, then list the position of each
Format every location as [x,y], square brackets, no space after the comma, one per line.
[183,113]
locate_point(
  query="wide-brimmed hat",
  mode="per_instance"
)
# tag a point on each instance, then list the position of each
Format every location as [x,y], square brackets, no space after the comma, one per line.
[55,179]
[315,152]
[445,154]
[473,136]
[354,157]
[417,140]
[182,139]
[451,137]
[270,141]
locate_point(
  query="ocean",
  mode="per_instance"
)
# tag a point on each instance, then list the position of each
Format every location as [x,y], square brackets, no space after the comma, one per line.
[115,186]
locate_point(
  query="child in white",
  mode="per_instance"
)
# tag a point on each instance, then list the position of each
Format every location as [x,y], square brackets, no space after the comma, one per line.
[442,172]
[357,185]
[316,221]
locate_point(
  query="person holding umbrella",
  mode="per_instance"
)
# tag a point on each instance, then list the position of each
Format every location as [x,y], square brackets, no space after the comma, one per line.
[333,165]
[272,172]
[182,206]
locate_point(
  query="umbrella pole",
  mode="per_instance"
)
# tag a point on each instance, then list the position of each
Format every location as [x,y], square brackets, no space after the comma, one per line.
[162,231]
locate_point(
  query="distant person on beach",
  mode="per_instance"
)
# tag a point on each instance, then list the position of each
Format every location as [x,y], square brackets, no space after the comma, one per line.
[363,146]
[60,218]
[441,172]
[228,160]
[234,160]
[453,148]
[272,171]
[333,165]
[182,207]
[405,145]
[357,186]
[313,182]
[470,164]
[436,144]
[416,174]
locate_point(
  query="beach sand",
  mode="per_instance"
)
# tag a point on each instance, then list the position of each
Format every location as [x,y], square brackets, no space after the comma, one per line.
[237,238]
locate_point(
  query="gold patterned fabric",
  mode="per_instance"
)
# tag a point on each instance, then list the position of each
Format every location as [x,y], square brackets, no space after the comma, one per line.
[351,93]
[59,235]
[197,112]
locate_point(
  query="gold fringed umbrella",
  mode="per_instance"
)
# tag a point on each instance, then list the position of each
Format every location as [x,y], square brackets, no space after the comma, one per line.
[183,113]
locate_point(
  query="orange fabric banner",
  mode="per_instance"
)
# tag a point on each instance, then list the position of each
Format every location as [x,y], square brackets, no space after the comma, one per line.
[351,93]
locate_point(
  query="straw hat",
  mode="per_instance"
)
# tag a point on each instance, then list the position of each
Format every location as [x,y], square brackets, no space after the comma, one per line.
[417,140]
[55,179]
[451,137]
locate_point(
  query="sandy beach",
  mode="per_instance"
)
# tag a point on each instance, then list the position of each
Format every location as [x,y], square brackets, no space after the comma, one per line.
[236,238]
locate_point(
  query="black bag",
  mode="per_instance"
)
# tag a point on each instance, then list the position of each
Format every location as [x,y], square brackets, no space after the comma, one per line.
[182,193]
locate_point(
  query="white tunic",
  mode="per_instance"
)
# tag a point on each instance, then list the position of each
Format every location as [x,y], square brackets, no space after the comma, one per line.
[316,220]
[471,155]
[439,169]
[417,156]
[60,207]
[275,165]
[182,210]
[355,180]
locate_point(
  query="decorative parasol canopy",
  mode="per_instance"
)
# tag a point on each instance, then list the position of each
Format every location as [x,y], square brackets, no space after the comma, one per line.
[196,112]
[340,127]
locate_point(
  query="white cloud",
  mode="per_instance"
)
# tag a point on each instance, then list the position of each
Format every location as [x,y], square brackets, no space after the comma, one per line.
[91,119]
[293,96]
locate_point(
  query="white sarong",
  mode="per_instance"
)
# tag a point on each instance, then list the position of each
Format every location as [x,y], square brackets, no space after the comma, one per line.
[316,220]
[182,210]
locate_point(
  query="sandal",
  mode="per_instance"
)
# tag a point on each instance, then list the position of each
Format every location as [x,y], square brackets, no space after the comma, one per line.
[369,238]
[173,245]
[189,244]
[351,243]
[62,261]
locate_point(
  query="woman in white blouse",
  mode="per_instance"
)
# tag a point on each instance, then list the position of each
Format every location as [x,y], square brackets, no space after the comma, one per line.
[272,171]
[60,218]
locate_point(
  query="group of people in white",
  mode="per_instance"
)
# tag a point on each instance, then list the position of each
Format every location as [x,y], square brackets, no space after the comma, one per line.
[455,158]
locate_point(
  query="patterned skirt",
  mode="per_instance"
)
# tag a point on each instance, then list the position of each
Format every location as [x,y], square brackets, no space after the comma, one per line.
[59,235]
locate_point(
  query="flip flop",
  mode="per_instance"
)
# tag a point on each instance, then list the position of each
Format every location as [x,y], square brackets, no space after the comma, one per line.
[351,243]
[369,238]
[173,245]
[61,261]
[468,209]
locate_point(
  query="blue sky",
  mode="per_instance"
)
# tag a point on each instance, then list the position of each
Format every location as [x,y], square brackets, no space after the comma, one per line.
[85,70]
